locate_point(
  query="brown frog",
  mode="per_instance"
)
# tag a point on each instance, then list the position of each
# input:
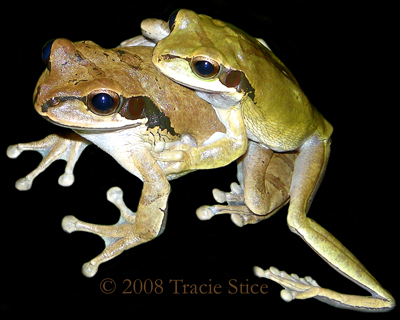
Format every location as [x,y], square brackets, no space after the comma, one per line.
[117,100]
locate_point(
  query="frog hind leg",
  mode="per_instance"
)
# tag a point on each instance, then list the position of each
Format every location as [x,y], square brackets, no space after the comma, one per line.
[309,169]
[264,178]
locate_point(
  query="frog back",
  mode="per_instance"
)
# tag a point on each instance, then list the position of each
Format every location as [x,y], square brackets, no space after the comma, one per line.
[275,109]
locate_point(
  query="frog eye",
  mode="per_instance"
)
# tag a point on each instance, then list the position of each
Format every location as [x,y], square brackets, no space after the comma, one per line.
[103,103]
[204,67]
[46,51]
[171,20]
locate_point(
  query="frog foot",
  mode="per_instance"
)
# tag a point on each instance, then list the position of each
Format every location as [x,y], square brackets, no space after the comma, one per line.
[295,287]
[240,213]
[117,237]
[173,157]
[66,146]
[234,197]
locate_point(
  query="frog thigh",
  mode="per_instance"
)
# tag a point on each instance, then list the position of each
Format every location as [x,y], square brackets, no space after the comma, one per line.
[264,177]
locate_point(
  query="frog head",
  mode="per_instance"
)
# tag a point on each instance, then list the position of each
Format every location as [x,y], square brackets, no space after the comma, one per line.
[86,87]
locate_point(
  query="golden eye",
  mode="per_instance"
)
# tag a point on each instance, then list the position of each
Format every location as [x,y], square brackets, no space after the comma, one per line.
[204,67]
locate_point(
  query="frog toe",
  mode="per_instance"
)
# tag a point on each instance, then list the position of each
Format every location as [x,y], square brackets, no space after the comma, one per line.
[115,196]
[294,286]
[23,184]
[237,213]
[66,180]
[89,270]
[240,214]
[238,220]
[13,151]
[236,188]
[69,224]
[287,295]
[235,196]
[205,213]
[219,195]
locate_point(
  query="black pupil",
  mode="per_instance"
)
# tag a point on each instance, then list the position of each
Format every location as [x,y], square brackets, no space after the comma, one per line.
[102,102]
[204,68]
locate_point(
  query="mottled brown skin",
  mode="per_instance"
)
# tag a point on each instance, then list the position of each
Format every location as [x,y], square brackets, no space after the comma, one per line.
[79,68]
[62,96]
[164,111]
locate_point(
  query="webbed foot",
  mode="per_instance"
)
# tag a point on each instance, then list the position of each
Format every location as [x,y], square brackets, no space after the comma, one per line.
[295,287]
[67,146]
[173,157]
[118,237]
[240,213]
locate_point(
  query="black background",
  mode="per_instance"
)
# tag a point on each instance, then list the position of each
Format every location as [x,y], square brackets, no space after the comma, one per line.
[341,55]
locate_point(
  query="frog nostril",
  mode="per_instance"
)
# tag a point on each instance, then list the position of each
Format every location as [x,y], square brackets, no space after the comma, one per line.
[54,101]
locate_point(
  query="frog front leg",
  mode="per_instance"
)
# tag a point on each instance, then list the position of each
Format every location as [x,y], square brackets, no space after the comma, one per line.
[66,146]
[132,228]
[308,172]
[219,150]
[264,177]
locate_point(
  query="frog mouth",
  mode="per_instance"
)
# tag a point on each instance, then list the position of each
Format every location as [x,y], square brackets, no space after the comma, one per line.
[97,129]
[75,113]
[215,84]
[72,112]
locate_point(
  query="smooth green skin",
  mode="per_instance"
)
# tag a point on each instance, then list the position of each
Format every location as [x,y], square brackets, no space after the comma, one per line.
[275,114]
